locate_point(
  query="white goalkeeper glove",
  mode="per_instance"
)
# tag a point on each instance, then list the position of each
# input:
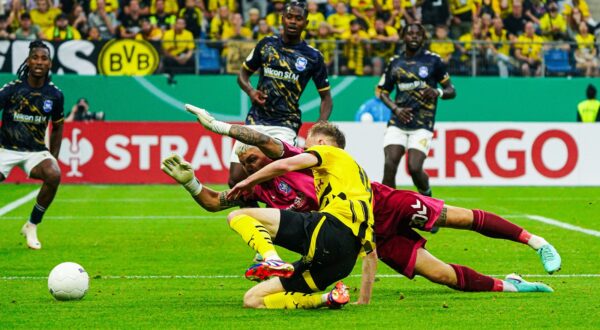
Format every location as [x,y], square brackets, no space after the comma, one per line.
[208,121]
[182,172]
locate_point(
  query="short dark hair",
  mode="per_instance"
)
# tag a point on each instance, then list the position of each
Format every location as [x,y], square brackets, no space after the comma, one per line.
[590,91]
[329,130]
[418,25]
[298,4]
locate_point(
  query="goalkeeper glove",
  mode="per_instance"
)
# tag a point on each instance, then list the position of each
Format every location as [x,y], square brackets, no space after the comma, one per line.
[208,121]
[182,172]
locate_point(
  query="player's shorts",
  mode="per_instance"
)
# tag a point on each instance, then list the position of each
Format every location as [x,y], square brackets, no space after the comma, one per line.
[395,217]
[419,139]
[284,134]
[329,249]
[26,160]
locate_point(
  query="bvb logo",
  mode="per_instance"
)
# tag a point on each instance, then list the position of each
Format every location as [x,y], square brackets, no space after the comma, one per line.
[128,57]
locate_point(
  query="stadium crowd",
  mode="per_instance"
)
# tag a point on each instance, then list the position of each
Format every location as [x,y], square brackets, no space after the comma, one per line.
[494,37]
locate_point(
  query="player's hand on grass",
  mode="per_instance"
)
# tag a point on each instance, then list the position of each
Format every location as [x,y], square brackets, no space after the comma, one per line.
[404,114]
[258,97]
[208,121]
[177,168]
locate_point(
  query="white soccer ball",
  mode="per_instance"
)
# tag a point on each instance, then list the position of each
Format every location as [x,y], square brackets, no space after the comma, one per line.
[68,281]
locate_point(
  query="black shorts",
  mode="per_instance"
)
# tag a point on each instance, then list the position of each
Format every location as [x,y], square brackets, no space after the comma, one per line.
[328,247]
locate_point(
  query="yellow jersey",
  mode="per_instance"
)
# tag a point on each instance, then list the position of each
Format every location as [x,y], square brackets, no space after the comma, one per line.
[547,23]
[44,20]
[444,48]
[583,8]
[110,6]
[344,191]
[177,44]
[214,5]
[588,110]
[340,22]
[585,43]
[500,41]
[530,47]
[314,20]
[54,34]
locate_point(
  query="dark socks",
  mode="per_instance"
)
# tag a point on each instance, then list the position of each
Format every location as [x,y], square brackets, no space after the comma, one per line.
[470,280]
[491,225]
[36,214]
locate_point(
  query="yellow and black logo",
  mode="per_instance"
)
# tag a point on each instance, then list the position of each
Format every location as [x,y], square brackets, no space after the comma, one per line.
[128,58]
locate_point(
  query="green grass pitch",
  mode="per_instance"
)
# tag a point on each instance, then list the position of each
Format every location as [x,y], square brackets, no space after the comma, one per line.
[157,260]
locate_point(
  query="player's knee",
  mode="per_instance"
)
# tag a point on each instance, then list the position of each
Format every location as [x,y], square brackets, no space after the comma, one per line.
[252,300]
[52,177]
[414,169]
[234,214]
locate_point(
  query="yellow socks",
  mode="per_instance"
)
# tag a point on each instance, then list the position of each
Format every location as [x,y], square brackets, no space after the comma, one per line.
[293,300]
[255,235]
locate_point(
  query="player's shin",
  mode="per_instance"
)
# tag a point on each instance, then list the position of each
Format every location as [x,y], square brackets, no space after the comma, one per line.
[469,280]
[491,225]
[255,234]
[294,300]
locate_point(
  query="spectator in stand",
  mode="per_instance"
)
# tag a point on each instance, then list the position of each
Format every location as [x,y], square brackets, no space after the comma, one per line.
[94,34]
[355,50]
[395,18]
[502,8]
[486,7]
[326,45]
[370,17]
[28,30]
[130,22]
[573,22]
[110,6]
[44,15]
[515,23]
[486,22]
[588,111]
[585,54]
[214,6]
[441,44]
[62,30]
[384,44]
[105,22]
[220,23]
[78,19]
[237,30]
[169,7]
[384,8]
[274,18]
[264,30]
[148,31]
[412,10]
[359,10]
[192,14]
[5,34]
[143,7]
[463,15]
[553,25]
[340,21]
[499,47]
[161,18]
[468,48]
[534,10]
[583,9]
[528,50]
[313,20]
[435,13]
[253,19]
[178,49]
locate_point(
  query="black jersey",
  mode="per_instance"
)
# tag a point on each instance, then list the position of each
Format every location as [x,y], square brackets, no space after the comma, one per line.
[286,69]
[410,75]
[26,112]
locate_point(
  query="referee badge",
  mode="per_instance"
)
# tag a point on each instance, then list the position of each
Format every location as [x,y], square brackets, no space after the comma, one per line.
[423,72]
[47,106]
[301,63]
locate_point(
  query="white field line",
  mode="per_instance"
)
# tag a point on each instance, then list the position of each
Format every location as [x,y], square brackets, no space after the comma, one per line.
[126,217]
[563,225]
[168,277]
[13,205]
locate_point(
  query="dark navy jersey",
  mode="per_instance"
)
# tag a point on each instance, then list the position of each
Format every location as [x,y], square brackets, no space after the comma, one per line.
[410,75]
[26,112]
[286,69]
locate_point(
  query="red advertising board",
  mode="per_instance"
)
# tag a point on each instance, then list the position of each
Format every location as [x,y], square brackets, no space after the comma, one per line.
[126,152]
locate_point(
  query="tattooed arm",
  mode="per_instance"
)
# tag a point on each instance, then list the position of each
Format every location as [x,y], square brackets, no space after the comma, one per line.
[271,147]
[215,201]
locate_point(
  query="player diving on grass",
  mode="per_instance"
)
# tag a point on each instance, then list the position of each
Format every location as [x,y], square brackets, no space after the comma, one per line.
[396,213]
[336,226]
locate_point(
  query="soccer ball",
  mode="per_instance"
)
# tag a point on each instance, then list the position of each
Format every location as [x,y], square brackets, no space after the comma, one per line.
[68,281]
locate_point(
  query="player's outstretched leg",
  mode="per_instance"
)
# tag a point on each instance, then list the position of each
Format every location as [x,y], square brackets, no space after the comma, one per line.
[257,226]
[494,226]
[463,278]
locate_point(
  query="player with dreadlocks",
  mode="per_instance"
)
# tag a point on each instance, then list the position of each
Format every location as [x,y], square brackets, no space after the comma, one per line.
[28,104]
